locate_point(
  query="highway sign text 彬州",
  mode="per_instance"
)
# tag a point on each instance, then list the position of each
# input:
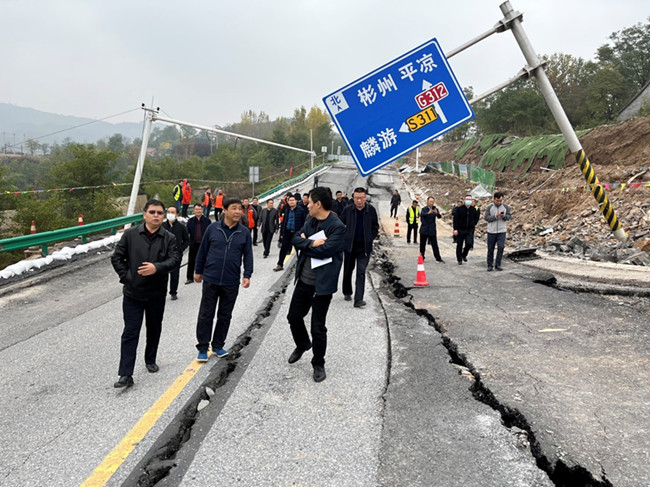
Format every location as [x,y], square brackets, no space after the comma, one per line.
[398,107]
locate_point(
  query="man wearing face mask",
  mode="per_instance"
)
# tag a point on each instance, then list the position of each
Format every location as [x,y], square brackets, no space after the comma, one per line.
[464,223]
[182,241]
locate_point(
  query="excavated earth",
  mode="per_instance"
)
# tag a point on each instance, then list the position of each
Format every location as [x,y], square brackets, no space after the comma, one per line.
[549,217]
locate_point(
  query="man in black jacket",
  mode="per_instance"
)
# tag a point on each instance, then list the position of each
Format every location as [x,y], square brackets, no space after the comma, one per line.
[294,218]
[182,241]
[428,231]
[196,228]
[465,219]
[315,284]
[142,258]
[268,223]
[362,227]
[395,201]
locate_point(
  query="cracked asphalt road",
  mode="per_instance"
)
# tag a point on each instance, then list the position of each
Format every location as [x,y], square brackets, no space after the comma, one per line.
[559,371]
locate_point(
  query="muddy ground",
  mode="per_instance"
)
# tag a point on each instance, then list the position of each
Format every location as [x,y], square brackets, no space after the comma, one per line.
[618,153]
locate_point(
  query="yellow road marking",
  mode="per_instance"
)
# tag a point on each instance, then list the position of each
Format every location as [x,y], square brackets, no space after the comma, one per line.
[115,458]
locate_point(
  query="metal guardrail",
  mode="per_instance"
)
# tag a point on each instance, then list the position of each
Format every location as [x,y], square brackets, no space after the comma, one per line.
[293,181]
[42,239]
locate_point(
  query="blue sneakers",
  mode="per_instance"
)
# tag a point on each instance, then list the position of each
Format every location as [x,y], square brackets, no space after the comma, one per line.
[202,357]
[221,352]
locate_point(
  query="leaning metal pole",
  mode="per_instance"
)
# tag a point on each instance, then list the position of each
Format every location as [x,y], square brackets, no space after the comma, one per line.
[138,168]
[513,18]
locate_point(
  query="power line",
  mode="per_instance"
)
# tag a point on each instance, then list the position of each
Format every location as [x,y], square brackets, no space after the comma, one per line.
[72,128]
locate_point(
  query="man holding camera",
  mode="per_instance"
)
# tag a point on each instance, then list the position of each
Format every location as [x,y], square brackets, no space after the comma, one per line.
[496,214]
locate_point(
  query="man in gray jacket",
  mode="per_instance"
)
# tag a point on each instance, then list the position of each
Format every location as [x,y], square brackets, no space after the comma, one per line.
[496,214]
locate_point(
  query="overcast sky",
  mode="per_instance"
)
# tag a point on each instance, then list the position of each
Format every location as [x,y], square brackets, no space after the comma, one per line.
[207,61]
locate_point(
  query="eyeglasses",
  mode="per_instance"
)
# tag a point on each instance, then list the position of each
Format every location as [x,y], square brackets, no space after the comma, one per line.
[155,212]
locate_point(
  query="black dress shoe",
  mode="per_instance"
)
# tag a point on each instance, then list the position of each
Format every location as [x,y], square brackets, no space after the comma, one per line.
[498,268]
[153,368]
[124,381]
[319,373]
[460,262]
[174,297]
[189,281]
[359,304]
[295,355]
[441,261]
[348,297]
[464,259]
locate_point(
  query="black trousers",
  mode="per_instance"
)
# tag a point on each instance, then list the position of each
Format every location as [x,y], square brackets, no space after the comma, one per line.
[254,235]
[351,259]
[191,259]
[393,211]
[498,240]
[184,210]
[134,310]
[212,294]
[285,248]
[305,297]
[173,280]
[267,238]
[433,240]
[217,213]
[464,243]
[414,228]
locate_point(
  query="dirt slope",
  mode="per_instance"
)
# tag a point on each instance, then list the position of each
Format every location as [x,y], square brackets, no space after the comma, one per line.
[544,200]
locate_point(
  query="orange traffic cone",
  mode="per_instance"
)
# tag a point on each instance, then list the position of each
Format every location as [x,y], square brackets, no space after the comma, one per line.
[396,232]
[32,229]
[80,220]
[421,277]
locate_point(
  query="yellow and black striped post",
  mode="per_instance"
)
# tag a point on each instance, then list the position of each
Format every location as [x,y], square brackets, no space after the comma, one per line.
[599,193]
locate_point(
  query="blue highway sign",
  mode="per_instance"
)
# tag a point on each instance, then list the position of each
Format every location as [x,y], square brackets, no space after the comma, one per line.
[398,107]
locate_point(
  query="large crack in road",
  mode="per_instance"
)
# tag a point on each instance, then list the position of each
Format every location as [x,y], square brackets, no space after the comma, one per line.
[171,455]
[559,472]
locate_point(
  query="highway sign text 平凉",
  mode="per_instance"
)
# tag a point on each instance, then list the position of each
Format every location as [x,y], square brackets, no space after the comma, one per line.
[398,107]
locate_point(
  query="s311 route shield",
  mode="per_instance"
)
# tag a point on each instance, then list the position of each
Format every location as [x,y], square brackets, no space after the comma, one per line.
[398,107]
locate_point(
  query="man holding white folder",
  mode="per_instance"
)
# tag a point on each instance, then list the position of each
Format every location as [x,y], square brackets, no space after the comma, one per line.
[320,246]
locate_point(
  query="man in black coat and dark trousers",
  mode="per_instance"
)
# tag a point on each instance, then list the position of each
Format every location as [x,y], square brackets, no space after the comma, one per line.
[428,231]
[362,227]
[142,258]
[182,241]
[196,227]
[294,219]
[395,201]
[464,223]
[268,223]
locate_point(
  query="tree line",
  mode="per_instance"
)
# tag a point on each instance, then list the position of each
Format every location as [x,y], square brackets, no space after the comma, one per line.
[174,153]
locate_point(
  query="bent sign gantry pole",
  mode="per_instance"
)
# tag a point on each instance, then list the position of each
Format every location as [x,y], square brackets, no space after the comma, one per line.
[513,18]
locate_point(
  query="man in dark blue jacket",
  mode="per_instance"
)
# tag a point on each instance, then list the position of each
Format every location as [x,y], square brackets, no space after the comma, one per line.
[226,244]
[196,228]
[361,228]
[316,281]
[294,219]
[142,258]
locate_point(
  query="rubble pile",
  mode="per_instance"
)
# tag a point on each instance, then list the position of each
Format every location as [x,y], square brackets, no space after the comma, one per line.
[553,210]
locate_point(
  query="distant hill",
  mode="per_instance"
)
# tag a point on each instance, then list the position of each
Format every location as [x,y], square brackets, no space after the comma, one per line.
[32,123]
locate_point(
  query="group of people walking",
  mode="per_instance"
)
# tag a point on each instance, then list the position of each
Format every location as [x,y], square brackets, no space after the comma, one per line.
[466,215]
[327,233]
